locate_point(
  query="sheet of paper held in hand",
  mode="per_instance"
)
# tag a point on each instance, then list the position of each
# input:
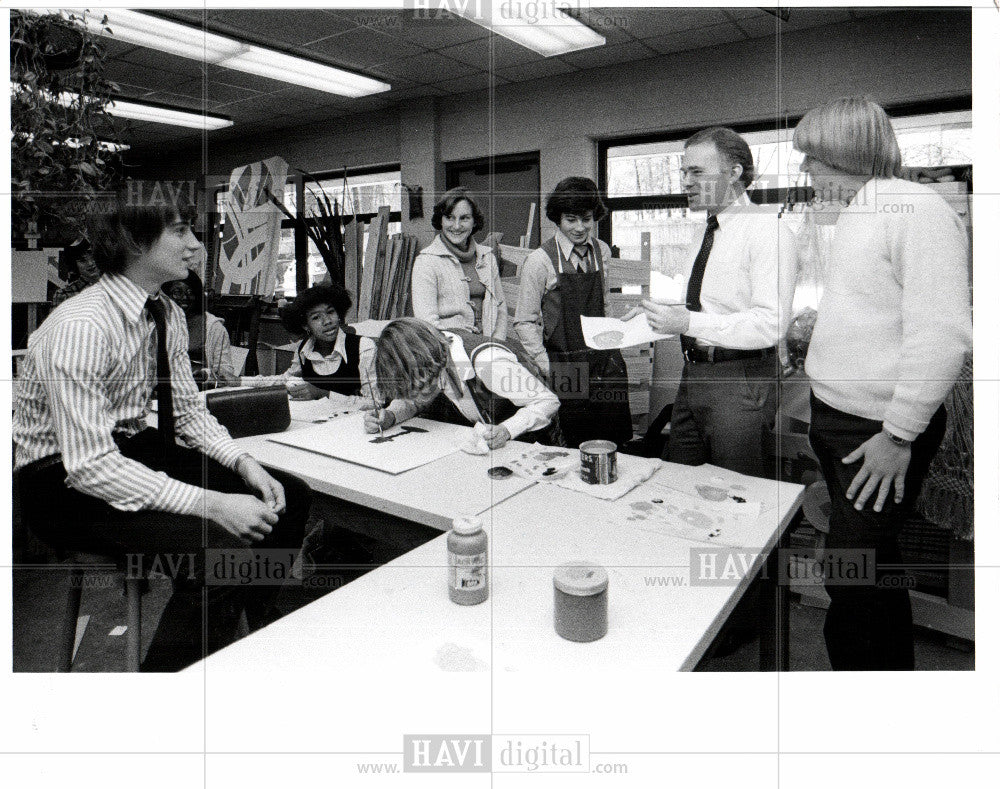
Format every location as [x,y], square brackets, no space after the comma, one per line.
[401,448]
[606,333]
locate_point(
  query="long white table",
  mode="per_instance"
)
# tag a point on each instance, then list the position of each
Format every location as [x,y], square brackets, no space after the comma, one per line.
[400,612]
[433,494]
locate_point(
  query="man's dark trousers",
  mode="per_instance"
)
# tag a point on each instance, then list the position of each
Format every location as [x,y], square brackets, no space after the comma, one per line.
[869,627]
[70,520]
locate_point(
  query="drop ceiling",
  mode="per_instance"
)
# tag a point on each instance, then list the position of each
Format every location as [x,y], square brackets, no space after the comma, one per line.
[421,58]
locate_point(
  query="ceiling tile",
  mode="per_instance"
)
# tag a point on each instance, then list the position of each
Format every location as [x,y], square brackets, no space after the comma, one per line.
[282,26]
[362,48]
[505,53]
[113,48]
[648,22]
[124,72]
[800,18]
[155,60]
[416,92]
[612,23]
[608,55]
[470,83]
[696,39]
[549,67]
[435,33]
[759,26]
[429,67]
[180,101]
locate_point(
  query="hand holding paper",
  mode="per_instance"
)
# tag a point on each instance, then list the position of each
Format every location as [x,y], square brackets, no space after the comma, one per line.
[607,333]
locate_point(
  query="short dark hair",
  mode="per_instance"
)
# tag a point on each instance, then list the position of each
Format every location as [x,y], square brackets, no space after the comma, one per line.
[447,204]
[72,255]
[730,145]
[574,195]
[293,317]
[193,281]
[122,226]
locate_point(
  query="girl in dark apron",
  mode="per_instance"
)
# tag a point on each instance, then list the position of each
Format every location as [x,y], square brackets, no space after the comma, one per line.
[592,385]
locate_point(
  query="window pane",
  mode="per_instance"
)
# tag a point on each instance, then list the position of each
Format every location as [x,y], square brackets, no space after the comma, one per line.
[364,194]
[222,195]
[286,264]
[654,168]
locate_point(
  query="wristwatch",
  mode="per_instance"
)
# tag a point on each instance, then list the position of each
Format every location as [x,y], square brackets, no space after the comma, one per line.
[899,442]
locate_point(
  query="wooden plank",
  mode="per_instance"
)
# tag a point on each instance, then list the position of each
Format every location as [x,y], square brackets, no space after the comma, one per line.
[622,272]
[351,266]
[376,231]
[515,255]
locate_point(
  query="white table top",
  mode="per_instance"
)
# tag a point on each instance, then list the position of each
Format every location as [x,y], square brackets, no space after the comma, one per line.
[399,617]
[433,494]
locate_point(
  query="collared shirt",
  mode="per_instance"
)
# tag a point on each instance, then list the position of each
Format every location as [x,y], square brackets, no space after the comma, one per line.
[89,373]
[538,277]
[72,288]
[323,364]
[443,291]
[503,375]
[746,295]
[893,325]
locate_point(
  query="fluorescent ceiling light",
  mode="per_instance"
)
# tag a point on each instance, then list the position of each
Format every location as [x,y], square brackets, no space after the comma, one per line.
[153,114]
[191,42]
[548,30]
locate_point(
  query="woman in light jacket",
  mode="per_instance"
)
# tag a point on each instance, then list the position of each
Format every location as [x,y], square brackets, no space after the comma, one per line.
[456,282]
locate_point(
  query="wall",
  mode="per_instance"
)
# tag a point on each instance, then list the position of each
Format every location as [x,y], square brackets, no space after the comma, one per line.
[893,58]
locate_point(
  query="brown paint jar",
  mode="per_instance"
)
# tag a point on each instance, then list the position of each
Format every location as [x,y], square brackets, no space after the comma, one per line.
[581,601]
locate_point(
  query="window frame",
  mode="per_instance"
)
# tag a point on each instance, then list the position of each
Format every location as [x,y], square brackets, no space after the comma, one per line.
[301,239]
[769,196]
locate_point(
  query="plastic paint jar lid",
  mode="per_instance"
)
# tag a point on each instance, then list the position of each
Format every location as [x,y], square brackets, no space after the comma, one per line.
[581,579]
[467,524]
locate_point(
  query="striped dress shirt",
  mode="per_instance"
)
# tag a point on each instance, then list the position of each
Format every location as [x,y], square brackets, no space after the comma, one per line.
[88,376]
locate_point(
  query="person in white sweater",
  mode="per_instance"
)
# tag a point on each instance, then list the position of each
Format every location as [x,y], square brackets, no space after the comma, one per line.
[891,334]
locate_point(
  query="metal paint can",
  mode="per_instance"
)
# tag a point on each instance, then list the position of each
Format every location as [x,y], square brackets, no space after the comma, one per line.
[599,462]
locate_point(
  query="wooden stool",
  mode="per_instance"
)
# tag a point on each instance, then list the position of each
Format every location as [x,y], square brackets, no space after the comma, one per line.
[78,564]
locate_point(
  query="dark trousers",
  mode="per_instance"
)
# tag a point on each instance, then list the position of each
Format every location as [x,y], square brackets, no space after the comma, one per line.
[200,556]
[723,415]
[869,626]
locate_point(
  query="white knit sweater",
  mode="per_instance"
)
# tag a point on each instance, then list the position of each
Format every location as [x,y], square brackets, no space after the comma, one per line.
[894,322]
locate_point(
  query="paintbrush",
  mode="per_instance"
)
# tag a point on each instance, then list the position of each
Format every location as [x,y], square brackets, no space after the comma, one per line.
[378,421]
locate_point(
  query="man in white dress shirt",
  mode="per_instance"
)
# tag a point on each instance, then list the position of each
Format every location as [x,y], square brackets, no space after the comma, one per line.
[738,302]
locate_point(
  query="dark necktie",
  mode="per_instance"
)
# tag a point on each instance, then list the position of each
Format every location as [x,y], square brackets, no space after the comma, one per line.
[580,257]
[164,397]
[698,273]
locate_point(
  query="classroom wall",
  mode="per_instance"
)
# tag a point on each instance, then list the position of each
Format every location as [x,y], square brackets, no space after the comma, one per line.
[894,58]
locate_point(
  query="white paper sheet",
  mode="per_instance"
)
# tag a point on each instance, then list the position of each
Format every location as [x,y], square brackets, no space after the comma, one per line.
[403,447]
[606,333]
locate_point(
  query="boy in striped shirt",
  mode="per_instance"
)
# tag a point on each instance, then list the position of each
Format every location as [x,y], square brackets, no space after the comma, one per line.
[94,477]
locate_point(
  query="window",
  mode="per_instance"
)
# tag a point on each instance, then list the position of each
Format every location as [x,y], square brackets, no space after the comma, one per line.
[645,195]
[365,191]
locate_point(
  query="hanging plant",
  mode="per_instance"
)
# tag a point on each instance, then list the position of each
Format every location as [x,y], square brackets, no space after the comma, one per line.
[62,138]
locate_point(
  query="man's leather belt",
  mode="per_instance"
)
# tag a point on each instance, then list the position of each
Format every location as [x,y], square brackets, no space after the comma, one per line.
[713,354]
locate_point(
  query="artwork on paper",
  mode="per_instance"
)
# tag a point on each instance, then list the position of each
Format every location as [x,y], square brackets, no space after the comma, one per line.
[248,251]
[402,447]
[545,464]
[714,484]
[661,508]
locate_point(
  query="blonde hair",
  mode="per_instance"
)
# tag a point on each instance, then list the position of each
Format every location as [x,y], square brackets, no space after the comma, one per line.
[852,134]
[408,354]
